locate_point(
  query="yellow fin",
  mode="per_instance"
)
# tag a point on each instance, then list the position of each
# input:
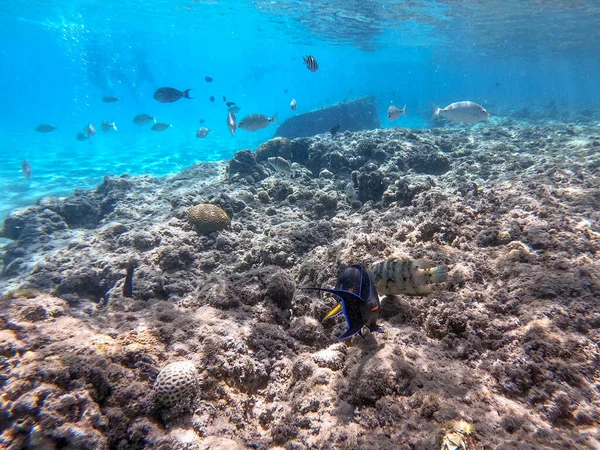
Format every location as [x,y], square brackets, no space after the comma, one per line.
[334,311]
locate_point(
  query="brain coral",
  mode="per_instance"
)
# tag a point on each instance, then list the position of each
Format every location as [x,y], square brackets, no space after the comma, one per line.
[176,382]
[208,218]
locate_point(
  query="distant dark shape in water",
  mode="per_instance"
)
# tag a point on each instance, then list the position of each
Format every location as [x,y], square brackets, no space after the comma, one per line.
[160,126]
[230,104]
[128,285]
[143,119]
[90,130]
[334,130]
[108,126]
[26,169]
[169,95]
[231,122]
[212,98]
[44,128]
[81,137]
[202,120]
[393,94]
[255,122]
[224,99]
[208,79]
[358,301]
[202,132]
[110,99]
[285,91]
[497,83]
[311,63]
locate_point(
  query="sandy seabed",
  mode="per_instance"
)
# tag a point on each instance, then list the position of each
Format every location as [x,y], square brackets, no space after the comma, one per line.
[509,343]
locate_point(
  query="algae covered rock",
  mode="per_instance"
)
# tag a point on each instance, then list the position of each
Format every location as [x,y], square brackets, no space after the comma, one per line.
[176,382]
[207,218]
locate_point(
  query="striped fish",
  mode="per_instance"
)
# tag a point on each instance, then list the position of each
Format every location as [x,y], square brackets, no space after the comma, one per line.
[406,276]
[311,63]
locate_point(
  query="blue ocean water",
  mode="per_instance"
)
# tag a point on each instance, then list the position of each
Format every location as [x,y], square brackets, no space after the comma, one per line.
[59,59]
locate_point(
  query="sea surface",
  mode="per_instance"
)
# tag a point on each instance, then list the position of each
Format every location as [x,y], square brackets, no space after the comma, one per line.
[59,59]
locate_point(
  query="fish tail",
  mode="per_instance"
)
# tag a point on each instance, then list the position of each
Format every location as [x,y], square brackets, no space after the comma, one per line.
[404,110]
[274,118]
[114,125]
[186,93]
[439,274]
[436,110]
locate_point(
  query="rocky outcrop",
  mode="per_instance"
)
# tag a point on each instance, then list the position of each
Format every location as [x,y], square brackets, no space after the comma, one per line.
[352,115]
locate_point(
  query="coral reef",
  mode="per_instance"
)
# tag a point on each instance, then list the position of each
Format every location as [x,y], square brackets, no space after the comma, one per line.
[507,345]
[207,218]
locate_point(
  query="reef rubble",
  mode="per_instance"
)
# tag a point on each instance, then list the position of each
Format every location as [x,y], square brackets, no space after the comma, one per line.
[508,344]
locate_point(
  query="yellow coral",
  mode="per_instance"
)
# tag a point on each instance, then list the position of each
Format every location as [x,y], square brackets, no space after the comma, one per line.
[208,218]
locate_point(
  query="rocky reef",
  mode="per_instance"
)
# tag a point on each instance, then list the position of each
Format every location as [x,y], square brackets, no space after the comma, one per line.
[352,115]
[508,345]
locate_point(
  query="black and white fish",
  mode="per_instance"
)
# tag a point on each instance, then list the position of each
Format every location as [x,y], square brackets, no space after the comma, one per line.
[280,164]
[231,122]
[169,95]
[311,63]
[404,276]
[202,132]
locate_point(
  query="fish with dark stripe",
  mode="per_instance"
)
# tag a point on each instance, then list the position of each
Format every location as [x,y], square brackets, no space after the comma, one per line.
[311,63]
[358,301]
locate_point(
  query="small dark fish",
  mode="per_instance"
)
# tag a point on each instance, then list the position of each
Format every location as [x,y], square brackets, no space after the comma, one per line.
[161,126]
[45,128]
[169,95]
[212,98]
[202,120]
[143,119]
[231,122]
[108,126]
[110,99]
[208,79]
[26,169]
[202,132]
[334,130]
[224,99]
[311,63]
[230,104]
[82,137]
[128,285]
[358,299]
[90,130]
[285,92]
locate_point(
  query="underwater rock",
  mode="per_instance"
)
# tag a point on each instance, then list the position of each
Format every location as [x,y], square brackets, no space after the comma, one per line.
[244,164]
[353,115]
[370,185]
[274,147]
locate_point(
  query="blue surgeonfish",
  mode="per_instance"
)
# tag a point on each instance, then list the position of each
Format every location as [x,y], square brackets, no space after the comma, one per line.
[358,299]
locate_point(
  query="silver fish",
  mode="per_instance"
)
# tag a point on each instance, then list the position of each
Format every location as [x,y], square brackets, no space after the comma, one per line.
[404,276]
[394,112]
[280,164]
[293,104]
[161,126]
[26,169]
[255,122]
[231,122]
[462,112]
